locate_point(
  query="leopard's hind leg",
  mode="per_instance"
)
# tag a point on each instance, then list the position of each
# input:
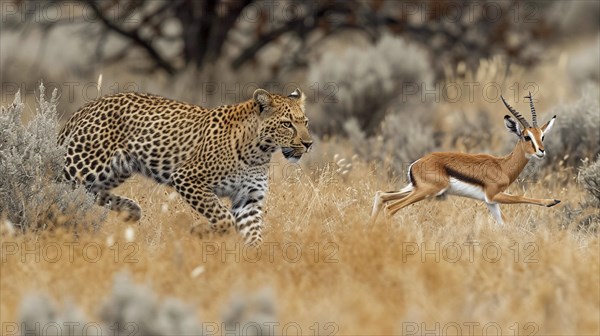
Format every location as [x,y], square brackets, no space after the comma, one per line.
[102,173]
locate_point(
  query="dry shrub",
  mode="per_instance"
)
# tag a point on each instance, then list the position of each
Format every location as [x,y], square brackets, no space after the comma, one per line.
[366,81]
[251,315]
[32,194]
[39,316]
[576,135]
[134,308]
[463,134]
[131,305]
[585,215]
[130,308]
[589,177]
[402,139]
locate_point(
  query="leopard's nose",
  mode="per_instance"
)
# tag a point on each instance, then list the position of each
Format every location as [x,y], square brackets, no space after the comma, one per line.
[307,144]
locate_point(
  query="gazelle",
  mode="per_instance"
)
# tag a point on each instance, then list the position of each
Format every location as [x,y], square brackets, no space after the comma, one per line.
[478,176]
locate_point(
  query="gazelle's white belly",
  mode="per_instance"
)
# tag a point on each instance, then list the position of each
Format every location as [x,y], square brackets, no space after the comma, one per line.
[464,189]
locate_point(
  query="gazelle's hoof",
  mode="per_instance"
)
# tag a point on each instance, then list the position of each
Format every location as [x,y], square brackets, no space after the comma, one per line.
[553,203]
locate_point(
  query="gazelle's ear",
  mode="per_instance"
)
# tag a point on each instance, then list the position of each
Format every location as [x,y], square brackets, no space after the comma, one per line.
[548,126]
[263,99]
[513,126]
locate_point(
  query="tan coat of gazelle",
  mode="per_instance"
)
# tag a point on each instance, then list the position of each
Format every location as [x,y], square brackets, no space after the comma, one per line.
[478,176]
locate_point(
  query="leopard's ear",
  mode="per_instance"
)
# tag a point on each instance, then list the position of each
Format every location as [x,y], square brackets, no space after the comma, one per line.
[263,99]
[299,95]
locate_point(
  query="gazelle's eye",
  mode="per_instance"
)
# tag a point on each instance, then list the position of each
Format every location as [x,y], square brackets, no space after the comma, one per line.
[527,138]
[542,138]
[286,124]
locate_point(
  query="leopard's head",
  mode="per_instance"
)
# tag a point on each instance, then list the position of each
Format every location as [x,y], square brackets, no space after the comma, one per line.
[283,122]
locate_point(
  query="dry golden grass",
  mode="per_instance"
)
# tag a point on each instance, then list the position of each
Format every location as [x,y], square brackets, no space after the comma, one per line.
[378,282]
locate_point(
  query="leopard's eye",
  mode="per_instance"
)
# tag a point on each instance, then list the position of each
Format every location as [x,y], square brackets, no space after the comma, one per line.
[306,123]
[527,138]
[286,124]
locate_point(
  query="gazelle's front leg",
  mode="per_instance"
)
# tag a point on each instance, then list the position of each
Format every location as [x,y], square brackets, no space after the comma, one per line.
[513,199]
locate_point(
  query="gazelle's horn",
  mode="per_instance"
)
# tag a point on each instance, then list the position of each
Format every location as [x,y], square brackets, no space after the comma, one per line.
[533,114]
[516,114]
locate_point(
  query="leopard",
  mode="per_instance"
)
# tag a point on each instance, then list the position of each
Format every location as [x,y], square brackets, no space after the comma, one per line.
[205,154]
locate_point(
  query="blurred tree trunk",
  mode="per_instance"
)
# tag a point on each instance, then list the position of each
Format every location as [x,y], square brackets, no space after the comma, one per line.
[205,27]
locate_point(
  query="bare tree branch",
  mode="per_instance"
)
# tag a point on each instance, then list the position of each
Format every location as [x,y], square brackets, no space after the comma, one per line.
[301,26]
[135,37]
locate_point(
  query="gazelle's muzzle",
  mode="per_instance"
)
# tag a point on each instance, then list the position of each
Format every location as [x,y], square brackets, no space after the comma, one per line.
[540,153]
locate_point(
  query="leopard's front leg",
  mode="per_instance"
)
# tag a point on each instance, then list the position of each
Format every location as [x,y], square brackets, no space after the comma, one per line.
[202,198]
[248,203]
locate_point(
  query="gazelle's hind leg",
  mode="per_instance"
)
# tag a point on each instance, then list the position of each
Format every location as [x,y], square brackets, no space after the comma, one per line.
[382,197]
[416,195]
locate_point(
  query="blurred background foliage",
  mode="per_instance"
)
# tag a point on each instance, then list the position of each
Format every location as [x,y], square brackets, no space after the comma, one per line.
[172,35]
[379,74]
[354,56]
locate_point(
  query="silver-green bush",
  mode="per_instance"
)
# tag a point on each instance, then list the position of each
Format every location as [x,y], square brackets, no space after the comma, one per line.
[366,81]
[589,178]
[586,214]
[402,139]
[32,194]
[135,309]
[39,317]
[576,135]
[253,315]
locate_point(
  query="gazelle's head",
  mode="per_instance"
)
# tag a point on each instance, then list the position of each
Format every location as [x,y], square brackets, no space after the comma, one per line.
[531,136]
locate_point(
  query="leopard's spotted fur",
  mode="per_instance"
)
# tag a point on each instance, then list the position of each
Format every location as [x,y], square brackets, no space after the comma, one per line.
[203,153]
